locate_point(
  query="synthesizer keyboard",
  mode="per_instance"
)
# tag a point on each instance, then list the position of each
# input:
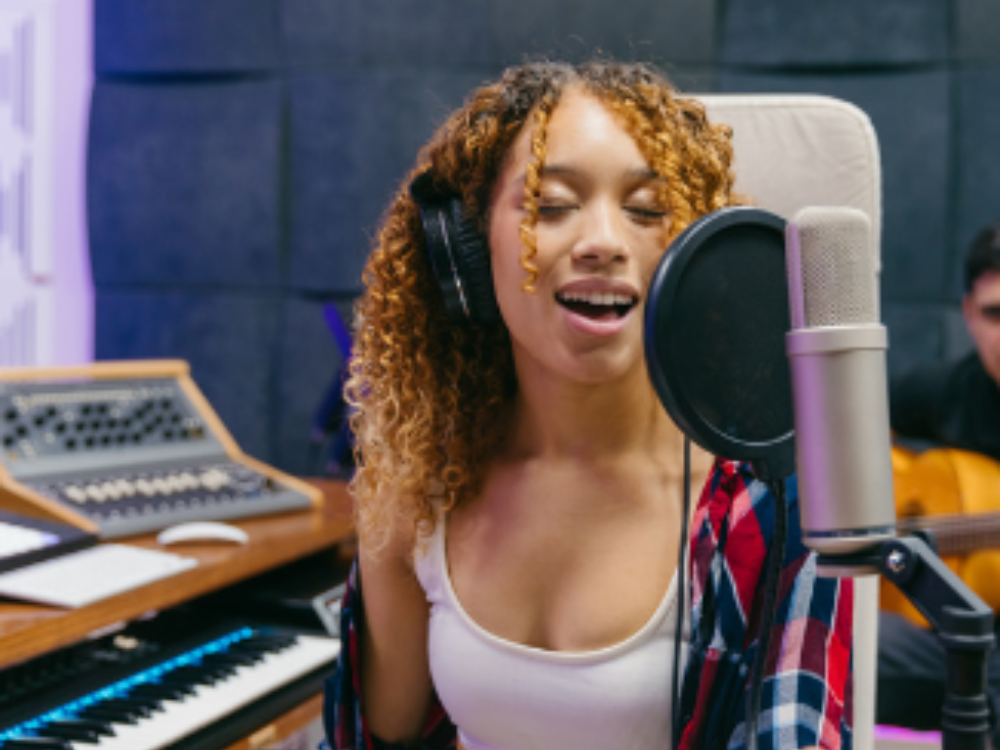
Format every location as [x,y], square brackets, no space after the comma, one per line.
[130,693]
[127,448]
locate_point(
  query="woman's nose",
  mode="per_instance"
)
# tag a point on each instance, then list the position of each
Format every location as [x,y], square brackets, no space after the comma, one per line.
[603,236]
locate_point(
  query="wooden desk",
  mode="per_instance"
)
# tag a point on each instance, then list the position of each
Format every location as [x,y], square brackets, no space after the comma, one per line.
[27,630]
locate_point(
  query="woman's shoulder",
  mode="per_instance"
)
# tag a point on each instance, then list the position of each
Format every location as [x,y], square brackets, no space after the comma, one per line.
[387,552]
[426,551]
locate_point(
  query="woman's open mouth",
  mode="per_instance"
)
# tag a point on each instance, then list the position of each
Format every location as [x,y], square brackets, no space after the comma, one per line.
[597,305]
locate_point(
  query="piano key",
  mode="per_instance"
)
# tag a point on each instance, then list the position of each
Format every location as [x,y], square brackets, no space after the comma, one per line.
[181,686]
[156,690]
[244,658]
[217,668]
[137,708]
[197,675]
[269,644]
[105,713]
[248,648]
[101,727]
[36,743]
[86,736]
[234,658]
[266,641]
[213,702]
[225,661]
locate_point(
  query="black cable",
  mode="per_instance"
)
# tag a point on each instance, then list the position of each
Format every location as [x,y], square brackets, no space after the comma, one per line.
[675,699]
[775,557]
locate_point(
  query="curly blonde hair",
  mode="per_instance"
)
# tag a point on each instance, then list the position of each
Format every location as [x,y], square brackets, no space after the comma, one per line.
[428,394]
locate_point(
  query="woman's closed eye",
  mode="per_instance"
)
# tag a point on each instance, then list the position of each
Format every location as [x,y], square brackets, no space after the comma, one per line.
[555,209]
[646,214]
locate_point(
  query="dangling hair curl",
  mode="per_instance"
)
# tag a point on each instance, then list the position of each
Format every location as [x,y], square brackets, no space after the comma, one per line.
[429,395]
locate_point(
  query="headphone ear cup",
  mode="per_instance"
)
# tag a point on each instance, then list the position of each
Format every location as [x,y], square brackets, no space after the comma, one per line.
[458,252]
[472,255]
[438,245]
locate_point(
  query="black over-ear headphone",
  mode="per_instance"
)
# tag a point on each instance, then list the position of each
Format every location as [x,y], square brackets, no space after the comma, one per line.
[458,252]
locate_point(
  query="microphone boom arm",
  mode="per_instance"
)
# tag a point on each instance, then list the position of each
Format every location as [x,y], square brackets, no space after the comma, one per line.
[963,622]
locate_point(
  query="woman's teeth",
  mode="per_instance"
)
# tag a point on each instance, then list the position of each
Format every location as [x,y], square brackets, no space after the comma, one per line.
[597,298]
[597,304]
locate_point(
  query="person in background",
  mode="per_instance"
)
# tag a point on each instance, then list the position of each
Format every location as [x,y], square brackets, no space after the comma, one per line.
[957,404]
[518,501]
[954,404]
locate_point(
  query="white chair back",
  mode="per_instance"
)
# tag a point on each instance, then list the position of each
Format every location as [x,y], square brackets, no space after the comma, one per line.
[794,151]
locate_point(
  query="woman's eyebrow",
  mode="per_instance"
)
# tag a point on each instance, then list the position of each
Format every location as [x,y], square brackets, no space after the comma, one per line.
[643,173]
[558,170]
[633,173]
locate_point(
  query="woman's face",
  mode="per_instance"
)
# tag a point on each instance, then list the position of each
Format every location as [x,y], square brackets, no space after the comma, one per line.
[601,233]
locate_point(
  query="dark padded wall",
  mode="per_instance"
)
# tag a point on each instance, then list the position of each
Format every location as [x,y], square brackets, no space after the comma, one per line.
[354,136]
[834,33]
[242,152]
[926,72]
[977,32]
[228,338]
[385,33]
[184,183]
[977,150]
[309,361]
[910,113]
[186,37]
[666,33]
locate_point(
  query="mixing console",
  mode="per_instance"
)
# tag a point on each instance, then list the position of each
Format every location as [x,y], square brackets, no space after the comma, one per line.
[128,454]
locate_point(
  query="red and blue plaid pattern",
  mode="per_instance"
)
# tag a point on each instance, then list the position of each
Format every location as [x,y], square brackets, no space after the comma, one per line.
[806,698]
[806,695]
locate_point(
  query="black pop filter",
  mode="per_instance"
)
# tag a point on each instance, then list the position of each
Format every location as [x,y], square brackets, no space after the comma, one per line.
[716,319]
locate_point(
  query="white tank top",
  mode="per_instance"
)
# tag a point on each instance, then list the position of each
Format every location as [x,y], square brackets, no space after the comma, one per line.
[507,696]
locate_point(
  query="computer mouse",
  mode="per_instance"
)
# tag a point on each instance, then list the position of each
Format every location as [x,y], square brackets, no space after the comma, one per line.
[202,531]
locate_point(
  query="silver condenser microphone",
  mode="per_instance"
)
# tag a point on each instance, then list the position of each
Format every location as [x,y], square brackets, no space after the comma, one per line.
[836,352]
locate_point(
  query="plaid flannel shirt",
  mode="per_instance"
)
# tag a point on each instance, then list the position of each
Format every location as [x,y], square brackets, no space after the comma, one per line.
[807,687]
[806,695]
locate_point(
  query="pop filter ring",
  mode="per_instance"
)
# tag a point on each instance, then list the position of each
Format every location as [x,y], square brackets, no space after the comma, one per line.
[772,456]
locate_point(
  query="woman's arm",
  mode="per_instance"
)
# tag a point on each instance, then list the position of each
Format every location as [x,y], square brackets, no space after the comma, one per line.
[394,670]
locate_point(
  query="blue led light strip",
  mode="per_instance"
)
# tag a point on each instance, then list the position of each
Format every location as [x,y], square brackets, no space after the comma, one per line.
[69,710]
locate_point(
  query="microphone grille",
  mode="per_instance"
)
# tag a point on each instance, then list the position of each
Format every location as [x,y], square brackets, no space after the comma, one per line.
[839,281]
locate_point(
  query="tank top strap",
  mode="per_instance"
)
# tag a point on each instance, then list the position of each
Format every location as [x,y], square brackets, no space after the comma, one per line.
[429,562]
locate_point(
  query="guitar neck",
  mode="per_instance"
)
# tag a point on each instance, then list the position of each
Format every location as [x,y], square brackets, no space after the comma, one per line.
[958,534]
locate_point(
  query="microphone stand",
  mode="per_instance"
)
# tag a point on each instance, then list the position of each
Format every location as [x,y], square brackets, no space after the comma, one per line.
[963,622]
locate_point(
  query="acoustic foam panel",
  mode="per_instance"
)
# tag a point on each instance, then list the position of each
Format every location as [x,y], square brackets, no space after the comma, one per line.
[186,36]
[184,183]
[957,341]
[691,79]
[976,33]
[977,150]
[917,335]
[836,33]
[910,113]
[354,138]
[309,362]
[348,33]
[664,33]
[228,339]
